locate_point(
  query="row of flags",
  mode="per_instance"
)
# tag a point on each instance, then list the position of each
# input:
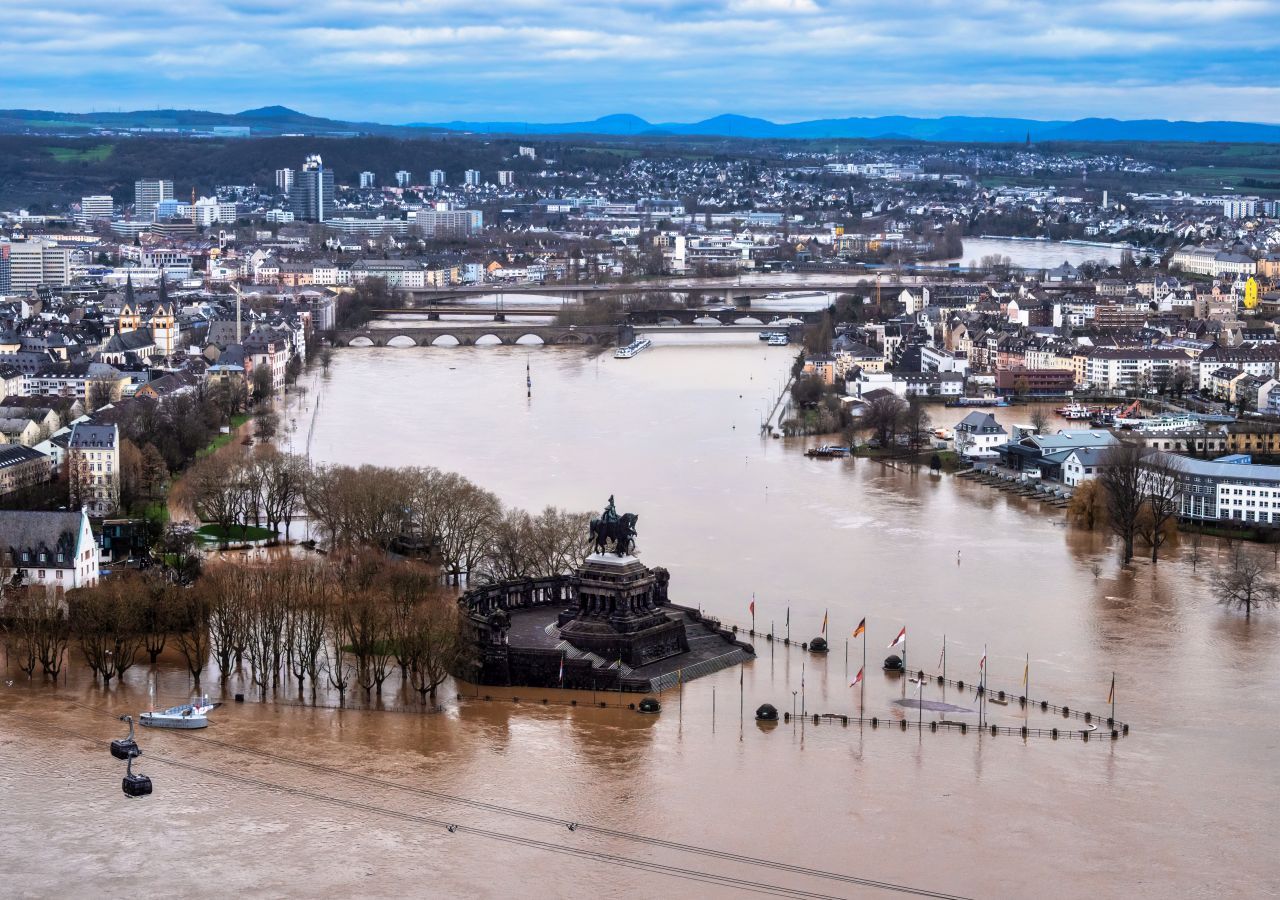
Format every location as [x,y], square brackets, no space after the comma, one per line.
[861,629]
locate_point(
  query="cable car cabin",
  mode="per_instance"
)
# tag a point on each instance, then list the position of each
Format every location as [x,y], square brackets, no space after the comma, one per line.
[135,785]
[126,747]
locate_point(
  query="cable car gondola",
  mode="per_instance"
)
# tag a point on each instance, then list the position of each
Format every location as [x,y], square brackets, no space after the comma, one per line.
[126,748]
[135,785]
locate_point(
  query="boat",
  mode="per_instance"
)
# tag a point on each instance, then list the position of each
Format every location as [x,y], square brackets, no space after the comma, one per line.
[778,340]
[1074,411]
[188,715]
[632,349]
[827,451]
[1157,423]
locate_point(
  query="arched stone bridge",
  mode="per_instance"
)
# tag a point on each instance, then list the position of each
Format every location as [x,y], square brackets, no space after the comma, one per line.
[467,335]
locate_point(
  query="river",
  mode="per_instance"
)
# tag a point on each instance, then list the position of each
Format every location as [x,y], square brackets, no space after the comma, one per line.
[1036,254]
[1183,806]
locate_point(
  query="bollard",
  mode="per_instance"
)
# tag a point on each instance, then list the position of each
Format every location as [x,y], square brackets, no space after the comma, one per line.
[816,721]
[933,726]
[1111,723]
[769,638]
[804,646]
[573,702]
[964,727]
[486,696]
[1065,712]
[1126,728]
[1022,700]
[844,720]
[239,698]
[1115,735]
[903,722]
[993,731]
[960,685]
[631,706]
[1044,704]
[751,631]
[544,701]
[1085,735]
[1001,695]
[735,629]
[786,717]
[1054,732]
[1088,717]
[603,704]
[1024,730]
[874,722]
[940,679]
[515,699]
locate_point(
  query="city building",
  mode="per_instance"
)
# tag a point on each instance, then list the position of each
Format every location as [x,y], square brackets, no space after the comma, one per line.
[22,467]
[35,263]
[148,193]
[472,178]
[366,180]
[312,196]
[6,271]
[506,178]
[978,435]
[52,549]
[1216,491]
[284,180]
[98,207]
[528,153]
[404,178]
[437,178]
[93,468]
[449,222]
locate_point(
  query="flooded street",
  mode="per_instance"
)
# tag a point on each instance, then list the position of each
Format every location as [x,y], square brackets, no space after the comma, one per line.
[282,799]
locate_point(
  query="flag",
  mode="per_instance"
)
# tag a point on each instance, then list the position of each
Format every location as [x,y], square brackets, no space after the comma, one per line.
[752,606]
[982,663]
[902,636]
[862,626]
[562,670]
[857,679]
[942,656]
[1111,694]
[824,623]
[1026,672]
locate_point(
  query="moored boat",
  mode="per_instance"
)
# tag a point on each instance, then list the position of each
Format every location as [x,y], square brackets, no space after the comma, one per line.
[827,451]
[632,349]
[187,715]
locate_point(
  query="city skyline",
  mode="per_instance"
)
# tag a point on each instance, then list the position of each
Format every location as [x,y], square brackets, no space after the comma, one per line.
[785,60]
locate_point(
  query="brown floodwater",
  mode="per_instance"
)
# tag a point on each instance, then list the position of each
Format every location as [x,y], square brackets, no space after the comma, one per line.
[1185,805]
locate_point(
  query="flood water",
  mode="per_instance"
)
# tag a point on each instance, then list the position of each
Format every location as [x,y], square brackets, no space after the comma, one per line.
[1037,254]
[1185,805]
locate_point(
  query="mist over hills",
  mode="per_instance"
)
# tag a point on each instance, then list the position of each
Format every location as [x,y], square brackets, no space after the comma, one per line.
[277,120]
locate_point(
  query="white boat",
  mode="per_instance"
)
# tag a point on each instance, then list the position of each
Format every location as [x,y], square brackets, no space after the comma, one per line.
[1074,411]
[1158,423]
[188,715]
[778,340]
[632,349]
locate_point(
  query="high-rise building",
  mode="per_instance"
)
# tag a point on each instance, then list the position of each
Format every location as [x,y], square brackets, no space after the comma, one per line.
[93,468]
[472,177]
[437,178]
[147,192]
[4,269]
[366,180]
[528,153]
[312,195]
[404,178]
[449,222]
[95,208]
[506,178]
[284,180]
[36,263]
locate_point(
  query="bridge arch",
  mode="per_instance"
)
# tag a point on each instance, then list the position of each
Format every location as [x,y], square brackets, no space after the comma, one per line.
[445,340]
[747,320]
[489,339]
[530,339]
[400,340]
[362,340]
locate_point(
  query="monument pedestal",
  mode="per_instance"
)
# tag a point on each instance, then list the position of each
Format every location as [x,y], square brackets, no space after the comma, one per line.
[618,613]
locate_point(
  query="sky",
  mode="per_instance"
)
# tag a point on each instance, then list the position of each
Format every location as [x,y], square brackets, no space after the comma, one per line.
[399,61]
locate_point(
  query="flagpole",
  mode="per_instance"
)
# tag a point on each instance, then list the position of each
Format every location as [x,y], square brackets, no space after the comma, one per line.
[802,706]
[862,685]
[1113,696]
[788,623]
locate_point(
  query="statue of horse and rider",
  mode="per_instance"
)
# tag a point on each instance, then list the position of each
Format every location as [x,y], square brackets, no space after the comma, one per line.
[612,527]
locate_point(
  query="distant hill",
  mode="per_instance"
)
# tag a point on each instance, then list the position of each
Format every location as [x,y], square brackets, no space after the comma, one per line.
[276,120]
[946,128]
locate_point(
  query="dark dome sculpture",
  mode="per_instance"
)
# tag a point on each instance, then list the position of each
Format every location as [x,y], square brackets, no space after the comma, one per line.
[767,712]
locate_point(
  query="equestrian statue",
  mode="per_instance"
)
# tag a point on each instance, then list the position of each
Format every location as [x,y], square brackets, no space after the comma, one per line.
[609,526]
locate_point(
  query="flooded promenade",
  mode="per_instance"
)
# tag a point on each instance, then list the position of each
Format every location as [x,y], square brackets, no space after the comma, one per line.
[282,799]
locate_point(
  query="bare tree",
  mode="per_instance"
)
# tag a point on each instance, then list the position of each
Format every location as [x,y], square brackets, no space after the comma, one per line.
[1242,585]
[1121,480]
[1088,505]
[1161,475]
[192,636]
[884,416]
[1039,420]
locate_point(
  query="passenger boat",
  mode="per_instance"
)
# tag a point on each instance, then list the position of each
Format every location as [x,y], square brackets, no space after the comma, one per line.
[632,349]
[188,715]
[778,339]
[827,451]
[1157,423]
[1074,411]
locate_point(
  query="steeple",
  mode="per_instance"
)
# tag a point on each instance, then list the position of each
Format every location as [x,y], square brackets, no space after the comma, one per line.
[164,290]
[128,291]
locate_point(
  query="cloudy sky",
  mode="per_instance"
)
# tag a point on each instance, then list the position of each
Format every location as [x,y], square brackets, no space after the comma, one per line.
[665,60]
